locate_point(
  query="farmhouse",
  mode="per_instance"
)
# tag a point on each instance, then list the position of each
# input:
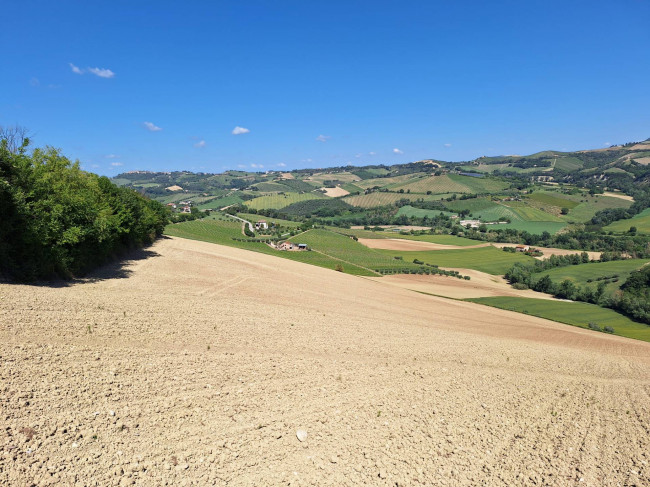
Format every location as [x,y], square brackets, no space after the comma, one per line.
[261,225]
[522,248]
[291,246]
[471,223]
[186,209]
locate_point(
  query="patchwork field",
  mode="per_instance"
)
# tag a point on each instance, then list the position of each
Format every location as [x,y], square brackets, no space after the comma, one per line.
[379,198]
[199,364]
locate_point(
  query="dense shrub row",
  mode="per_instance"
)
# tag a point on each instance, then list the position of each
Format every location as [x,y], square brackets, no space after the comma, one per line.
[57,220]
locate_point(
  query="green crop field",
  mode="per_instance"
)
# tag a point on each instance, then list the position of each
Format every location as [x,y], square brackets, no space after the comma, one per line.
[571,313]
[589,205]
[579,274]
[439,239]
[278,201]
[535,228]
[222,232]
[385,182]
[409,211]
[530,214]
[378,198]
[485,259]
[351,188]
[553,199]
[479,185]
[568,164]
[640,221]
[272,187]
[435,184]
[319,178]
[346,249]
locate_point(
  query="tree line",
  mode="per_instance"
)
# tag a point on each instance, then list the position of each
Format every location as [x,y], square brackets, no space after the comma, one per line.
[58,220]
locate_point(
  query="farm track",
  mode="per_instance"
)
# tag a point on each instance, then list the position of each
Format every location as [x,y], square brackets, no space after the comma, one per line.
[197,365]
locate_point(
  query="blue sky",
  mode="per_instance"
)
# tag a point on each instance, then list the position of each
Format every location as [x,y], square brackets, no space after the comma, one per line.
[267,85]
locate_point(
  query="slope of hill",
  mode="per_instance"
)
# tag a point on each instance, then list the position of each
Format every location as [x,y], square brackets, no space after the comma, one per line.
[202,374]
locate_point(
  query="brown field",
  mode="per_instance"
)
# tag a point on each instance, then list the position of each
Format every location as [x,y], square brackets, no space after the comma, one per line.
[618,195]
[479,286]
[402,244]
[548,251]
[335,192]
[198,365]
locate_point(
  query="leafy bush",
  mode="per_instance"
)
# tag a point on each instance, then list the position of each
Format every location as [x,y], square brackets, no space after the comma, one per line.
[58,220]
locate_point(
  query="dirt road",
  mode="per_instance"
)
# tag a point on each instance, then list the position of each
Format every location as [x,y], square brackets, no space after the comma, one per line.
[199,364]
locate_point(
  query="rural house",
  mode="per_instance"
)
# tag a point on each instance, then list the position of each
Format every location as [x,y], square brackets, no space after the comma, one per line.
[261,225]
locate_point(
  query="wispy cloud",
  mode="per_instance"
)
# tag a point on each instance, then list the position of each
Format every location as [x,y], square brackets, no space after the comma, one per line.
[447,145]
[358,156]
[76,69]
[397,151]
[257,166]
[116,164]
[281,164]
[241,166]
[607,144]
[101,72]
[307,160]
[240,130]
[323,138]
[111,156]
[200,144]
[94,166]
[34,82]
[371,153]
[151,127]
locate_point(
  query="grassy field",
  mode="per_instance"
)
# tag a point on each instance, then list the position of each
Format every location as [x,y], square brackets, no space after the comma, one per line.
[640,221]
[553,199]
[222,232]
[571,313]
[534,227]
[439,239]
[435,184]
[420,213]
[278,201]
[589,205]
[373,200]
[579,274]
[319,178]
[386,182]
[345,248]
[485,259]
[273,187]
[479,185]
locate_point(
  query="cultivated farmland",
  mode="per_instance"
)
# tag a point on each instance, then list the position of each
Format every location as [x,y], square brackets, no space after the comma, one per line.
[278,201]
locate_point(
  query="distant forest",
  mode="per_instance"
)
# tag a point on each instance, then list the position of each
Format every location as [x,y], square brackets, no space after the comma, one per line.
[59,221]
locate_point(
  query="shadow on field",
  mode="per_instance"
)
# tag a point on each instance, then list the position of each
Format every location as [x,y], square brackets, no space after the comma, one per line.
[114,269]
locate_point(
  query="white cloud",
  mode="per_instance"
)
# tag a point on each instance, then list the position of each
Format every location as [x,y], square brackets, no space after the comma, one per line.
[447,145]
[371,153]
[76,69]
[358,156]
[94,166]
[282,164]
[257,166]
[152,127]
[116,164]
[307,160]
[323,138]
[240,130]
[397,151]
[200,143]
[111,156]
[607,144]
[34,82]
[101,72]
[241,166]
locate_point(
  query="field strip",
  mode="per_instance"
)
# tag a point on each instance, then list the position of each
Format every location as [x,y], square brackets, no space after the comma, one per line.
[406,245]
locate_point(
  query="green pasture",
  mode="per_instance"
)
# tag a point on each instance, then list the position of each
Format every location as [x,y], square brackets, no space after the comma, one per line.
[553,199]
[411,212]
[439,239]
[222,232]
[278,201]
[579,274]
[252,217]
[485,259]
[571,313]
[640,221]
[589,205]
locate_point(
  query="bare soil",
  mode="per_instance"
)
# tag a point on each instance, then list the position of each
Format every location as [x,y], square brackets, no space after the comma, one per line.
[199,364]
[548,251]
[403,244]
[480,285]
[335,192]
[618,195]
